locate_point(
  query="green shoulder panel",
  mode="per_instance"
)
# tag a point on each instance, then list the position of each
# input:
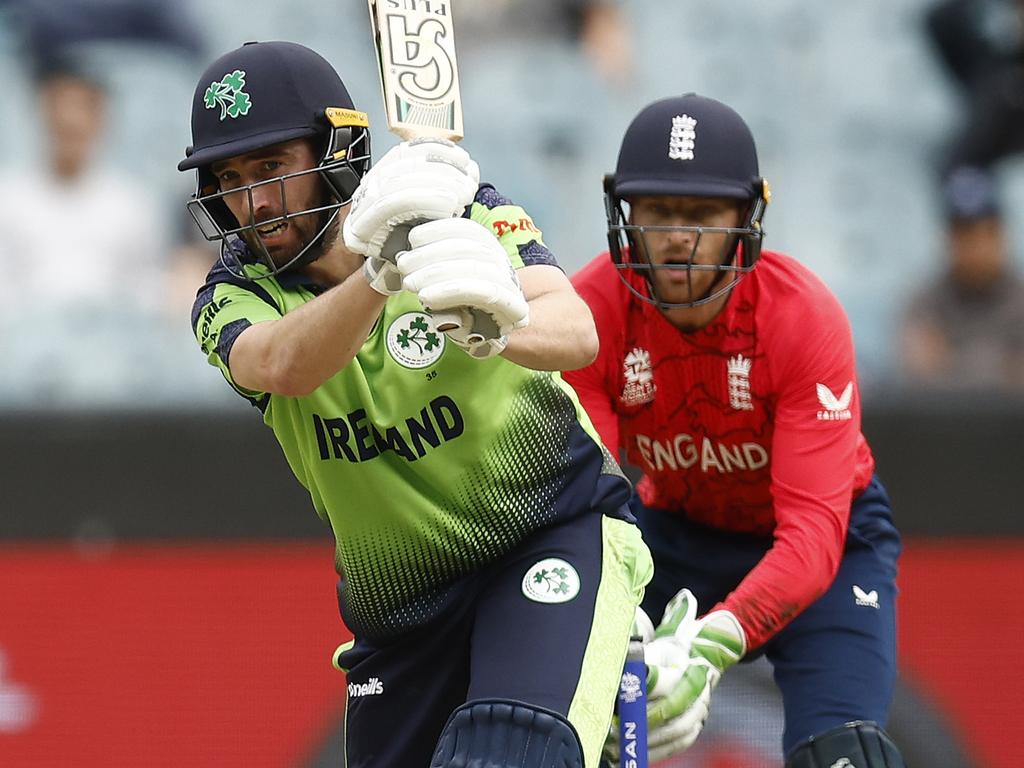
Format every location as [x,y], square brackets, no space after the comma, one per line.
[509,222]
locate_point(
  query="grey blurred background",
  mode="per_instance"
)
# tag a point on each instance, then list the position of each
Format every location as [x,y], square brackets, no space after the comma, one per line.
[852,107]
[891,134]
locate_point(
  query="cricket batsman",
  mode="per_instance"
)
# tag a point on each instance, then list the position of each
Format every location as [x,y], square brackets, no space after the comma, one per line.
[489,564]
[726,374]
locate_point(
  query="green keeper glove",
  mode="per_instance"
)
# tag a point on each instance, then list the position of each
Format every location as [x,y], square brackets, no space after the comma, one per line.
[685,660]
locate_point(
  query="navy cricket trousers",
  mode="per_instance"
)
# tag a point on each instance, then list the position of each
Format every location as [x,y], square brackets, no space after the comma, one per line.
[510,634]
[836,661]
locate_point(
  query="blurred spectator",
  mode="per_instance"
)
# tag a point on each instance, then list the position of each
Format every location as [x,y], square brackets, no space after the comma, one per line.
[92,303]
[981,44]
[81,253]
[55,25]
[965,331]
[189,261]
[106,219]
[597,27]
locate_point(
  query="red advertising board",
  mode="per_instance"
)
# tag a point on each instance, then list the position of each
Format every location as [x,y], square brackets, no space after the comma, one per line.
[209,654]
[960,627]
[166,655]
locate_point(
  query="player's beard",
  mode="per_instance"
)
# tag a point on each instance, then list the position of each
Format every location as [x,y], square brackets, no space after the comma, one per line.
[320,238]
[671,281]
[330,223]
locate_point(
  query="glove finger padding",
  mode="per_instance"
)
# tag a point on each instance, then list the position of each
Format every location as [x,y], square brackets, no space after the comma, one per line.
[475,325]
[459,263]
[434,150]
[466,229]
[477,289]
[415,181]
[370,228]
[679,733]
[477,333]
[697,681]
[679,617]
[720,639]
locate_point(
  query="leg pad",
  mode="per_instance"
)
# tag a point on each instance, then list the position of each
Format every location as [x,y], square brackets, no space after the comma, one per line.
[501,733]
[860,744]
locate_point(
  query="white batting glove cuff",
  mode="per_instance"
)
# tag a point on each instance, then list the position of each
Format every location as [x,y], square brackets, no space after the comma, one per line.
[383,276]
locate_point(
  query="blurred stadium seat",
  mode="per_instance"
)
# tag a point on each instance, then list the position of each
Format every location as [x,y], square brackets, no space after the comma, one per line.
[848,105]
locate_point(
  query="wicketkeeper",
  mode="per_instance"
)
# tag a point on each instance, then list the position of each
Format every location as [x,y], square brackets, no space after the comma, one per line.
[727,375]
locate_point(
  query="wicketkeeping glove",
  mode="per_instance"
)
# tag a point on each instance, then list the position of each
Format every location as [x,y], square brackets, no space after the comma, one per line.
[415,181]
[458,263]
[685,661]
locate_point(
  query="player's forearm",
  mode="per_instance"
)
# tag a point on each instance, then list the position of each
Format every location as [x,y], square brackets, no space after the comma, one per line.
[560,337]
[797,570]
[294,355]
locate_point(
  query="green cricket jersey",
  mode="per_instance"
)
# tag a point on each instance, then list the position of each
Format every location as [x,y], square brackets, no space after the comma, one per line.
[427,464]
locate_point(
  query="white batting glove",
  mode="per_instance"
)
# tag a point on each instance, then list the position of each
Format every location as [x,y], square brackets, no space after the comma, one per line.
[457,265]
[477,333]
[415,181]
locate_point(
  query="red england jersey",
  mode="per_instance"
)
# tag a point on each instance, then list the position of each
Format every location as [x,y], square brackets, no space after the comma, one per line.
[751,424]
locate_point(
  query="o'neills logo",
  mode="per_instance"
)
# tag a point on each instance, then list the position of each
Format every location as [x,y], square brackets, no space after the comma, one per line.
[372,687]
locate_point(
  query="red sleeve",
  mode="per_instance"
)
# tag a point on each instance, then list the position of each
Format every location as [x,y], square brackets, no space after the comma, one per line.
[814,454]
[596,384]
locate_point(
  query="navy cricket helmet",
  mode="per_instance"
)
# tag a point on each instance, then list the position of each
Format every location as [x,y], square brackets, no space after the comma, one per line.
[690,146]
[256,96]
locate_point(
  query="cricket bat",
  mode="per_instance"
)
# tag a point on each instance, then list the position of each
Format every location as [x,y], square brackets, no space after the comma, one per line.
[419,79]
[632,708]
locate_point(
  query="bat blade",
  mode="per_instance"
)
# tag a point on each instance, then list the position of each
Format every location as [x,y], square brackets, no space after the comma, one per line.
[419,79]
[419,76]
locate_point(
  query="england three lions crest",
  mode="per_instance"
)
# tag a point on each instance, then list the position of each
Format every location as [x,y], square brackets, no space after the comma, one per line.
[738,380]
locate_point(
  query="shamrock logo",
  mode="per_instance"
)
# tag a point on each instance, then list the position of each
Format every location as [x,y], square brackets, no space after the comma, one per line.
[555,580]
[551,580]
[229,95]
[412,341]
[418,333]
